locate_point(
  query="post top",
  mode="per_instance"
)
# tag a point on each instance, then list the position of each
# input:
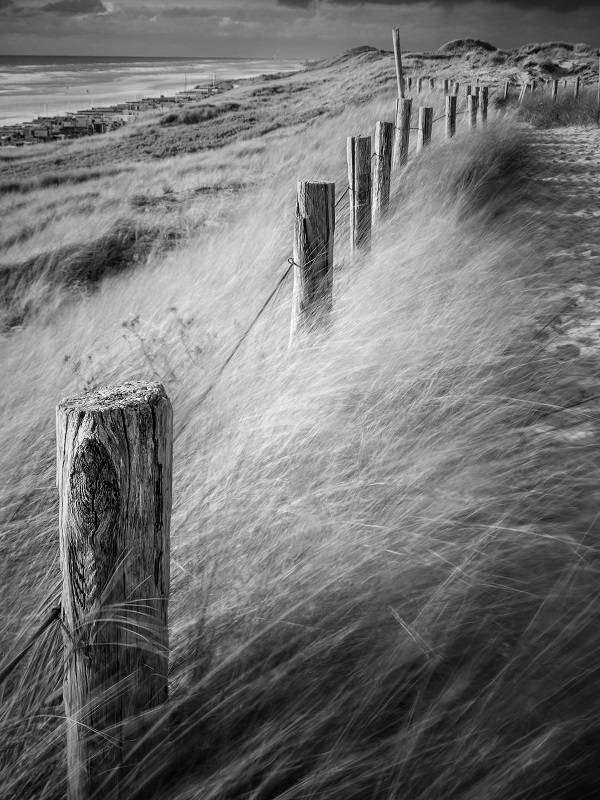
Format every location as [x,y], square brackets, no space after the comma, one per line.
[127,395]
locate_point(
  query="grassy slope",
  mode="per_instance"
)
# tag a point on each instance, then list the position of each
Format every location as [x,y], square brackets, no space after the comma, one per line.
[383,579]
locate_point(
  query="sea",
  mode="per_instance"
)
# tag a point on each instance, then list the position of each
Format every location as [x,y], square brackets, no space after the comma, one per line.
[32,86]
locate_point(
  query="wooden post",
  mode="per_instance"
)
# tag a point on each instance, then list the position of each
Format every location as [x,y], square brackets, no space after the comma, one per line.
[402,132]
[483,104]
[432,84]
[456,88]
[114,449]
[312,295]
[506,90]
[554,90]
[398,59]
[359,181]
[409,83]
[477,91]
[420,85]
[384,142]
[468,91]
[599,81]
[577,89]
[533,86]
[472,111]
[450,116]
[425,128]
[446,87]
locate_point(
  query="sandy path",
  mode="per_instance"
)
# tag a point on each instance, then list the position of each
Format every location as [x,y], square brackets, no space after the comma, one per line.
[565,218]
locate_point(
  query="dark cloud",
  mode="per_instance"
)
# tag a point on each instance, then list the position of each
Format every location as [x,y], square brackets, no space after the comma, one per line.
[75,8]
[563,6]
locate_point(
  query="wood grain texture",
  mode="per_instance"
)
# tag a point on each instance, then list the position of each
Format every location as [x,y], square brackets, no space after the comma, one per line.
[314,231]
[450,116]
[359,181]
[402,132]
[382,168]
[425,128]
[114,459]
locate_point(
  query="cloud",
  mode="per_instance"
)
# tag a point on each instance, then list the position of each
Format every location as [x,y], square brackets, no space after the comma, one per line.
[75,8]
[561,6]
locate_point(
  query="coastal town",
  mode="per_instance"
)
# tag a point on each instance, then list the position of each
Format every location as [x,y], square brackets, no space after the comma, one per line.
[95,120]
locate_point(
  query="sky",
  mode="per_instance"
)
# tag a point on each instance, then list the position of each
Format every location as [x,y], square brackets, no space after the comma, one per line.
[282,28]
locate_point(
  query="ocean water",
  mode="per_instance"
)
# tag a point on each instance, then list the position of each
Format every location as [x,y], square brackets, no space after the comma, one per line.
[34,85]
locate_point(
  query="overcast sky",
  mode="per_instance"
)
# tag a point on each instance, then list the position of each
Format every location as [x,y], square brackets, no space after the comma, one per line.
[295,28]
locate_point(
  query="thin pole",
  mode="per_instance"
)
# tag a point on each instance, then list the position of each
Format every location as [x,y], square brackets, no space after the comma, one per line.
[398,60]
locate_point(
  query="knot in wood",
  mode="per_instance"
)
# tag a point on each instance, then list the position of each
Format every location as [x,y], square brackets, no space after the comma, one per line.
[94,489]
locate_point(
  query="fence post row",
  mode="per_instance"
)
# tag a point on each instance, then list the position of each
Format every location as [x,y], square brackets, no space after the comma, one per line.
[314,229]
[114,468]
[402,133]
[450,116]
[384,143]
[425,128]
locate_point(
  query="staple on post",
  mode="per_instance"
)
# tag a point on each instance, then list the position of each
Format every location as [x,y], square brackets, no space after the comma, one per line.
[402,132]
[359,181]
[314,229]
[425,128]
[114,475]
[384,141]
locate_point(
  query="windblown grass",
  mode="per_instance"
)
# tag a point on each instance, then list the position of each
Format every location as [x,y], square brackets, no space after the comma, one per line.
[541,111]
[383,582]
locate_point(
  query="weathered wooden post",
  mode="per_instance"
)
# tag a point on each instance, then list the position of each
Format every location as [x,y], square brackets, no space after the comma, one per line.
[554,90]
[409,83]
[468,92]
[484,103]
[431,84]
[456,88]
[472,112]
[425,128]
[402,132]
[446,87]
[577,89]
[450,116]
[359,181]
[398,60]
[384,143]
[114,449]
[420,85]
[477,91]
[312,294]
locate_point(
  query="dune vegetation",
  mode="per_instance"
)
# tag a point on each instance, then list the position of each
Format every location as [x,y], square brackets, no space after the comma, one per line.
[384,577]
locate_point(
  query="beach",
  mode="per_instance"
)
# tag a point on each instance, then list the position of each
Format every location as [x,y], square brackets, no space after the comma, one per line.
[32,86]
